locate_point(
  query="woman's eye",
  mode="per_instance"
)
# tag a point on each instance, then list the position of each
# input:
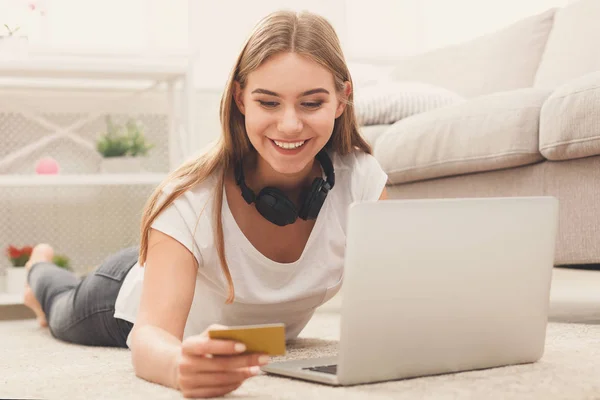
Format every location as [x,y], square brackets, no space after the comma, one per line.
[268,104]
[272,104]
[316,104]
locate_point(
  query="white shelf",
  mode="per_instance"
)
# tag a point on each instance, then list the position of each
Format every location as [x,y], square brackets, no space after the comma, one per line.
[127,68]
[10,299]
[81,180]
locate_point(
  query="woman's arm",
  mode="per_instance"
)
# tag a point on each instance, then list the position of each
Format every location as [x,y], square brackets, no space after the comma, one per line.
[168,290]
[384,195]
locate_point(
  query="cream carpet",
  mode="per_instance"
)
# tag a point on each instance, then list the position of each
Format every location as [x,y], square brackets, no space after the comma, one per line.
[34,365]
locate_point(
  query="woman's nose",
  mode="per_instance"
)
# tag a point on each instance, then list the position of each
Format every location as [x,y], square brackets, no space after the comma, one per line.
[290,124]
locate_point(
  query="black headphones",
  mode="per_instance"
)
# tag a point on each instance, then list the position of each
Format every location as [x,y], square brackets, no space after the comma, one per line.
[274,205]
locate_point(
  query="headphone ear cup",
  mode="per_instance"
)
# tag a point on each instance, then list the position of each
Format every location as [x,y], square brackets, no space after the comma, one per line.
[274,206]
[314,200]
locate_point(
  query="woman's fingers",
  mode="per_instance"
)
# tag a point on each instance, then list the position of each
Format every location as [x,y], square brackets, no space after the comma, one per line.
[193,363]
[212,367]
[200,345]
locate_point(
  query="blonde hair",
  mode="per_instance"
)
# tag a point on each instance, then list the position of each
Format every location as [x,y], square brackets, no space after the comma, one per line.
[303,33]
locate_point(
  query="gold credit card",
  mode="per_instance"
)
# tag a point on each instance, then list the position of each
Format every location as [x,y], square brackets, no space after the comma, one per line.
[268,338]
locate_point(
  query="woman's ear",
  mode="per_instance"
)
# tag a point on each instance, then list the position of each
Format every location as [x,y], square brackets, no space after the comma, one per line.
[238,97]
[343,100]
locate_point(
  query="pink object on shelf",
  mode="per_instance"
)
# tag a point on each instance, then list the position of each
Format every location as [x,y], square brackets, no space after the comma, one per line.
[47,166]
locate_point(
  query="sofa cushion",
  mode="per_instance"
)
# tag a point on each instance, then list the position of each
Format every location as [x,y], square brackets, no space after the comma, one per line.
[490,132]
[572,48]
[570,120]
[389,102]
[372,132]
[504,60]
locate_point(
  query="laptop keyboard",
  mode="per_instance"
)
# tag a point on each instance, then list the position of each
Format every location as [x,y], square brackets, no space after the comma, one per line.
[328,369]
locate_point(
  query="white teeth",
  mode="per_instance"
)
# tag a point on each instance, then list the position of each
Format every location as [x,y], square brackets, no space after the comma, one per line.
[289,145]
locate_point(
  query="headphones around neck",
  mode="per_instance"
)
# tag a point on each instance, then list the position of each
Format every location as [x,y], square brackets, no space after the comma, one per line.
[277,208]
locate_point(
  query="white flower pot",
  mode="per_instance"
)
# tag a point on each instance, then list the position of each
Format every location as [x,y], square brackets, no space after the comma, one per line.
[13,46]
[16,277]
[121,165]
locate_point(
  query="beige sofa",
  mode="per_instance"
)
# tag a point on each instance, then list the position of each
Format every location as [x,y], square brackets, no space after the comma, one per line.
[530,124]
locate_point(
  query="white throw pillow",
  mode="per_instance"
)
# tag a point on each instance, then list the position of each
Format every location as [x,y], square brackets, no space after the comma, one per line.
[389,102]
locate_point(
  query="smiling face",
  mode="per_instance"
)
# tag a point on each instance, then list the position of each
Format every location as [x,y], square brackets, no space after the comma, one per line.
[290,105]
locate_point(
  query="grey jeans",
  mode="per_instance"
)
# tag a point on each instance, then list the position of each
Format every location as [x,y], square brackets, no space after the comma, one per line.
[82,310]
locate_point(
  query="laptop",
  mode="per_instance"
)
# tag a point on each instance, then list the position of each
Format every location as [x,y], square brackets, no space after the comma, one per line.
[439,286]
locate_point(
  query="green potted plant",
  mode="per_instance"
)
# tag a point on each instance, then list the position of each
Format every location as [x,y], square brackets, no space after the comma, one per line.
[62,261]
[138,146]
[122,147]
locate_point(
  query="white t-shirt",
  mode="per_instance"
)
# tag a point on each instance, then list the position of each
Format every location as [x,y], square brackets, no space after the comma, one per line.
[265,291]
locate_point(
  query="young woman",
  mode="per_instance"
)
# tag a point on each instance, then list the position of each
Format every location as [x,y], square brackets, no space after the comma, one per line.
[251,232]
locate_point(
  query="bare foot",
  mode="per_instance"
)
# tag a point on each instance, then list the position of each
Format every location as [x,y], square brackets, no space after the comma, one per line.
[41,252]
[31,302]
